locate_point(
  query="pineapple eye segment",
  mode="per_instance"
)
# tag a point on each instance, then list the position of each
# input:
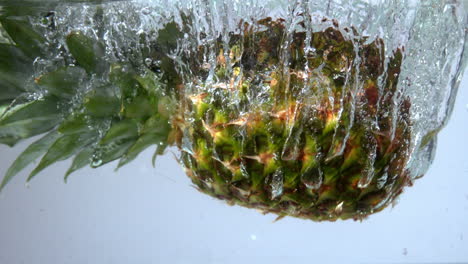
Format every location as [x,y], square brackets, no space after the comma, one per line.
[330,123]
[211,130]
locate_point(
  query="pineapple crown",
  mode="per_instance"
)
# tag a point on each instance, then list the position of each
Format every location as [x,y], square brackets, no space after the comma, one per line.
[91,109]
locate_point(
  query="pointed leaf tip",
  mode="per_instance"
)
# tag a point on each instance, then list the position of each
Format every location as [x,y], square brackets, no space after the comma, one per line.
[140,145]
[62,149]
[34,151]
[81,160]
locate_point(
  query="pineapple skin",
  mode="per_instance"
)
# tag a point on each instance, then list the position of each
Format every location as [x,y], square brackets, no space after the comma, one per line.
[313,139]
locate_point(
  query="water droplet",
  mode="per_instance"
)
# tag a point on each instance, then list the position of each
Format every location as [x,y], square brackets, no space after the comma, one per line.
[187,143]
[96,163]
[96,160]
[146,11]
[312,178]
[148,62]
[339,208]
[366,177]
[244,171]
[290,152]
[382,180]
[275,182]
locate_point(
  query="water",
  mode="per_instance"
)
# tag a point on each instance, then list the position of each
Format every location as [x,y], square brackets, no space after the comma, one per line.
[430,35]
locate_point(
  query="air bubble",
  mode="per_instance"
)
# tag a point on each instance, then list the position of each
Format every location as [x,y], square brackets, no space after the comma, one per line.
[148,62]
[96,162]
[146,11]
[276,184]
[312,178]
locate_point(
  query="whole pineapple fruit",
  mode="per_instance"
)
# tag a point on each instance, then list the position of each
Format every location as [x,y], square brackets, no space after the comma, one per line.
[318,137]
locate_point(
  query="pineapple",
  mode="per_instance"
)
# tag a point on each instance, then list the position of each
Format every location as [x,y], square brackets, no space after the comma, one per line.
[312,138]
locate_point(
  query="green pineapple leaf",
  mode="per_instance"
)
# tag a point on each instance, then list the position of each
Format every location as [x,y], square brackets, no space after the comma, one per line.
[34,151]
[168,36]
[160,127]
[75,123]
[28,119]
[122,130]
[123,76]
[149,81]
[86,51]
[140,145]
[62,149]
[25,37]
[10,88]
[12,133]
[116,142]
[105,154]
[63,82]
[102,102]
[156,125]
[13,59]
[25,108]
[159,151]
[15,69]
[25,8]
[140,108]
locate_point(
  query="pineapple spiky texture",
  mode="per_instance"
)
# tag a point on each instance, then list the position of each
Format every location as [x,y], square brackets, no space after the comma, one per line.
[301,128]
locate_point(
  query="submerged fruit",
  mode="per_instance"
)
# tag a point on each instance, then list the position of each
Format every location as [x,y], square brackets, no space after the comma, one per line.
[289,122]
[311,138]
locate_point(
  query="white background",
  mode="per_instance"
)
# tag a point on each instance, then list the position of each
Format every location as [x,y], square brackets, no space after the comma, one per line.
[145,215]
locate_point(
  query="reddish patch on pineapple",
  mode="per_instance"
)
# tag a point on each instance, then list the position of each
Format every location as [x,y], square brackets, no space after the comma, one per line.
[407,181]
[221,59]
[354,183]
[372,94]
[325,188]
[289,113]
[397,142]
